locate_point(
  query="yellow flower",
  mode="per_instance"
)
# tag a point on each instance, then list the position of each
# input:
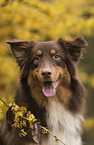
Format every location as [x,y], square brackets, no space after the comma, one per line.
[16,124]
[18,114]
[20,120]
[57,140]
[10,104]
[22,133]
[23,123]
[44,131]
[14,107]
[31,118]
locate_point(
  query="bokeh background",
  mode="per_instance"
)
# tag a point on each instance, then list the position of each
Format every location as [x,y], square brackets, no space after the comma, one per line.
[44,20]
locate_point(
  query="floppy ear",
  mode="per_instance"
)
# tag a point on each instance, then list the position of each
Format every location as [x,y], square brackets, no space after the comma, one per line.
[74,47]
[19,48]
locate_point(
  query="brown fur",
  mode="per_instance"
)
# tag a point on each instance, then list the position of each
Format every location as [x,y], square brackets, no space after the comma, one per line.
[63,92]
[41,63]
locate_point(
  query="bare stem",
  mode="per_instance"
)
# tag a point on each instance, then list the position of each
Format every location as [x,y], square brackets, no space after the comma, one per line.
[47,131]
[4,102]
[38,125]
[51,134]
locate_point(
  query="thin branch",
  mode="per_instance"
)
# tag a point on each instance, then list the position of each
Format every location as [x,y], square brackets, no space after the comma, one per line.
[57,139]
[51,134]
[4,102]
[47,131]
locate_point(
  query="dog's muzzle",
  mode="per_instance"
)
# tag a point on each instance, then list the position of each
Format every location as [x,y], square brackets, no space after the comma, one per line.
[48,86]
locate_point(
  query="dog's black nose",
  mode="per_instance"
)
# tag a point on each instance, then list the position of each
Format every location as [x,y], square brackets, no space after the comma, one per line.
[46,73]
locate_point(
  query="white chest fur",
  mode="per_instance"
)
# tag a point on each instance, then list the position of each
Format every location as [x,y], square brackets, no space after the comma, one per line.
[64,125]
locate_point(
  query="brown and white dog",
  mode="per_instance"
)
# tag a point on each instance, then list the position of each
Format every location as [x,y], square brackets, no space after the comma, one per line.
[50,87]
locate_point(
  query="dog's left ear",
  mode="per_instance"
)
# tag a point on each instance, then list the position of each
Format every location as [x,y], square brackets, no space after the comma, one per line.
[74,47]
[19,48]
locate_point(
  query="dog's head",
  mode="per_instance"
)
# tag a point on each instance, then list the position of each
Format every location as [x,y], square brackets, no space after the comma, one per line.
[48,64]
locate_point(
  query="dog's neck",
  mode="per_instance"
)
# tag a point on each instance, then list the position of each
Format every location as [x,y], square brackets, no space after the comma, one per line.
[63,124]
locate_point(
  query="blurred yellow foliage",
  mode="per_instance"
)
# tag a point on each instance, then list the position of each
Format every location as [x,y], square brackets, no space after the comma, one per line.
[85,78]
[46,20]
[2,109]
[89,124]
[91,81]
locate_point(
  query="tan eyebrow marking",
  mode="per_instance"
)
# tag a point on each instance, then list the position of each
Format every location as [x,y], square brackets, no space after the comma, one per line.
[53,51]
[39,52]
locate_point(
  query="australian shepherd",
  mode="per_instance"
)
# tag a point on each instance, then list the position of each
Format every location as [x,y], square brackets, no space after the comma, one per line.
[51,89]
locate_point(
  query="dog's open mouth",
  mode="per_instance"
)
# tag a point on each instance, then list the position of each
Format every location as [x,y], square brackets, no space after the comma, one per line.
[49,88]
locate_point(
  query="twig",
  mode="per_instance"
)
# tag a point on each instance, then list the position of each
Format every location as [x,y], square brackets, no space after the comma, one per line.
[51,134]
[4,102]
[47,131]
[57,139]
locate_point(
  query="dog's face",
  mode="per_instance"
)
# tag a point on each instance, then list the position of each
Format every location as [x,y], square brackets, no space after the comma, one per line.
[50,65]
[47,66]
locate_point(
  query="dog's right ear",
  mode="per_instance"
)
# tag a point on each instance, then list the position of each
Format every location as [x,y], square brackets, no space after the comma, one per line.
[19,48]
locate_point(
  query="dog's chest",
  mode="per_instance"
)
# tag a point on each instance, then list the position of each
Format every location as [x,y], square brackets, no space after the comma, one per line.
[63,125]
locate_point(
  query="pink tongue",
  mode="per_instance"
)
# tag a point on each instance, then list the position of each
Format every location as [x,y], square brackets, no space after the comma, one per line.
[49,90]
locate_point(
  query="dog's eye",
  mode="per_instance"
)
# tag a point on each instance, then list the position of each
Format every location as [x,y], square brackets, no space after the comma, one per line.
[36,59]
[56,57]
